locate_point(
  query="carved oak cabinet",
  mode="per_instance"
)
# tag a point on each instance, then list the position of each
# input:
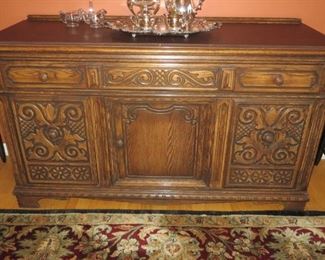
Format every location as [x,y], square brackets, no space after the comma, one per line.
[230,115]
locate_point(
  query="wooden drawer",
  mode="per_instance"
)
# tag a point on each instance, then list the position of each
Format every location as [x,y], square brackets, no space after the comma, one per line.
[158,76]
[45,75]
[279,78]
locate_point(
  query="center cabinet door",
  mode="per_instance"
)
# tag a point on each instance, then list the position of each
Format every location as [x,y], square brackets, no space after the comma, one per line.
[161,143]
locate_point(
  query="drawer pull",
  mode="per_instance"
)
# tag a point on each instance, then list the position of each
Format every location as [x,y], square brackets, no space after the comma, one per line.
[44,76]
[279,80]
[119,143]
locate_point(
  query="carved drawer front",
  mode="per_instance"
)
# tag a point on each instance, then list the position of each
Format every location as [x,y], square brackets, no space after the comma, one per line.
[286,78]
[155,76]
[47,75]
[55,140]
[267,145]
[161,144]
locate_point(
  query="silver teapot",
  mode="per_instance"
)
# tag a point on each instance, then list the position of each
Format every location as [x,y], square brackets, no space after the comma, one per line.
[143,12]
[181,13]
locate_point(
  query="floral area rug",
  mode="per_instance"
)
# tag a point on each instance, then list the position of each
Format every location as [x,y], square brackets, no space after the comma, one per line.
[185,236]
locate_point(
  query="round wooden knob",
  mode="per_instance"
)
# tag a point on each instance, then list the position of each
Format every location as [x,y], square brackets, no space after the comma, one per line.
[44,76]
[279,80]
[119,143]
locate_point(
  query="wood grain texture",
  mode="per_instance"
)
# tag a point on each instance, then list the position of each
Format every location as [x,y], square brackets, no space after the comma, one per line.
[230,115]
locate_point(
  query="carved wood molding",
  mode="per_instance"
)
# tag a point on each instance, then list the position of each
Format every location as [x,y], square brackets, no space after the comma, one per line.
[62,174]
[260,178]
[189,113]
[170,194]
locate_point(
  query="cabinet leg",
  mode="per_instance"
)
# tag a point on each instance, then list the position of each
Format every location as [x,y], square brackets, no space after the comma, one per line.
[28,201]
[294,206]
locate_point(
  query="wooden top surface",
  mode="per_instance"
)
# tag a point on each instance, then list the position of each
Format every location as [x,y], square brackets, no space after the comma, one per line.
[234,35]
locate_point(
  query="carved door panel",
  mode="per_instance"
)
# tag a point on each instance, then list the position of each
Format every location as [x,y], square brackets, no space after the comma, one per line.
[268,144]
[164,144]
[56,138]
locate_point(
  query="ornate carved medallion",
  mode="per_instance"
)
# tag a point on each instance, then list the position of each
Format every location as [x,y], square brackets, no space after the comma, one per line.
[268,134]
[53,131]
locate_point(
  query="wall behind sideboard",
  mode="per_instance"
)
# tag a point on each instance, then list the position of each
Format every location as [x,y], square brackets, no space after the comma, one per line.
[310,11]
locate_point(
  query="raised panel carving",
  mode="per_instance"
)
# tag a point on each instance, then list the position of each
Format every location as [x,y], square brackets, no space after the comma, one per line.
[163,142]
[53,132]
[160,78]
[268,134]
[160,139]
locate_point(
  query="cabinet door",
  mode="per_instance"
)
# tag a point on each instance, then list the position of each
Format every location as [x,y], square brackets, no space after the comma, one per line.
[56,139]
[162,144]
[268,144]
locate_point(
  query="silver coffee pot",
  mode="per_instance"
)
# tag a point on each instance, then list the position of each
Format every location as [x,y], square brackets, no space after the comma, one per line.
[143,12]
[181,13]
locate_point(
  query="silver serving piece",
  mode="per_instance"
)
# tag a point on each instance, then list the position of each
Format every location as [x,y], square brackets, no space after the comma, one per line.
[143,13]
[179,20]
[181,13]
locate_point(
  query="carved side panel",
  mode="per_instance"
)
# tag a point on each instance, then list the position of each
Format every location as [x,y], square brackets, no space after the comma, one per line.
[268,134]
[266,145]
[53,132]
[55,141]
[160,78]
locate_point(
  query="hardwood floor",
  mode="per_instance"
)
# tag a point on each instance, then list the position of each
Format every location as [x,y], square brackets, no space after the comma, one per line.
[8,201]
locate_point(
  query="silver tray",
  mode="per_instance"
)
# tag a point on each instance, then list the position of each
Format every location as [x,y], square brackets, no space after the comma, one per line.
[160,28]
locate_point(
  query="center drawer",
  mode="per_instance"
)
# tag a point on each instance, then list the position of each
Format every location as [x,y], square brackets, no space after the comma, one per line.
[161,76]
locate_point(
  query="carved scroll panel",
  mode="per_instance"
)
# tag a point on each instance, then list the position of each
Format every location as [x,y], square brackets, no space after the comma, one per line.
[152,77]
[54,141]
[266,145]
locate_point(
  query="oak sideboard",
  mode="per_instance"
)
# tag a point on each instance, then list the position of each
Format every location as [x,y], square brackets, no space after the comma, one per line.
[235,114]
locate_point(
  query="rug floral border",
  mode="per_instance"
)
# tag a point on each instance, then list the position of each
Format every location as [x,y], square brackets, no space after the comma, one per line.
[142,235]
